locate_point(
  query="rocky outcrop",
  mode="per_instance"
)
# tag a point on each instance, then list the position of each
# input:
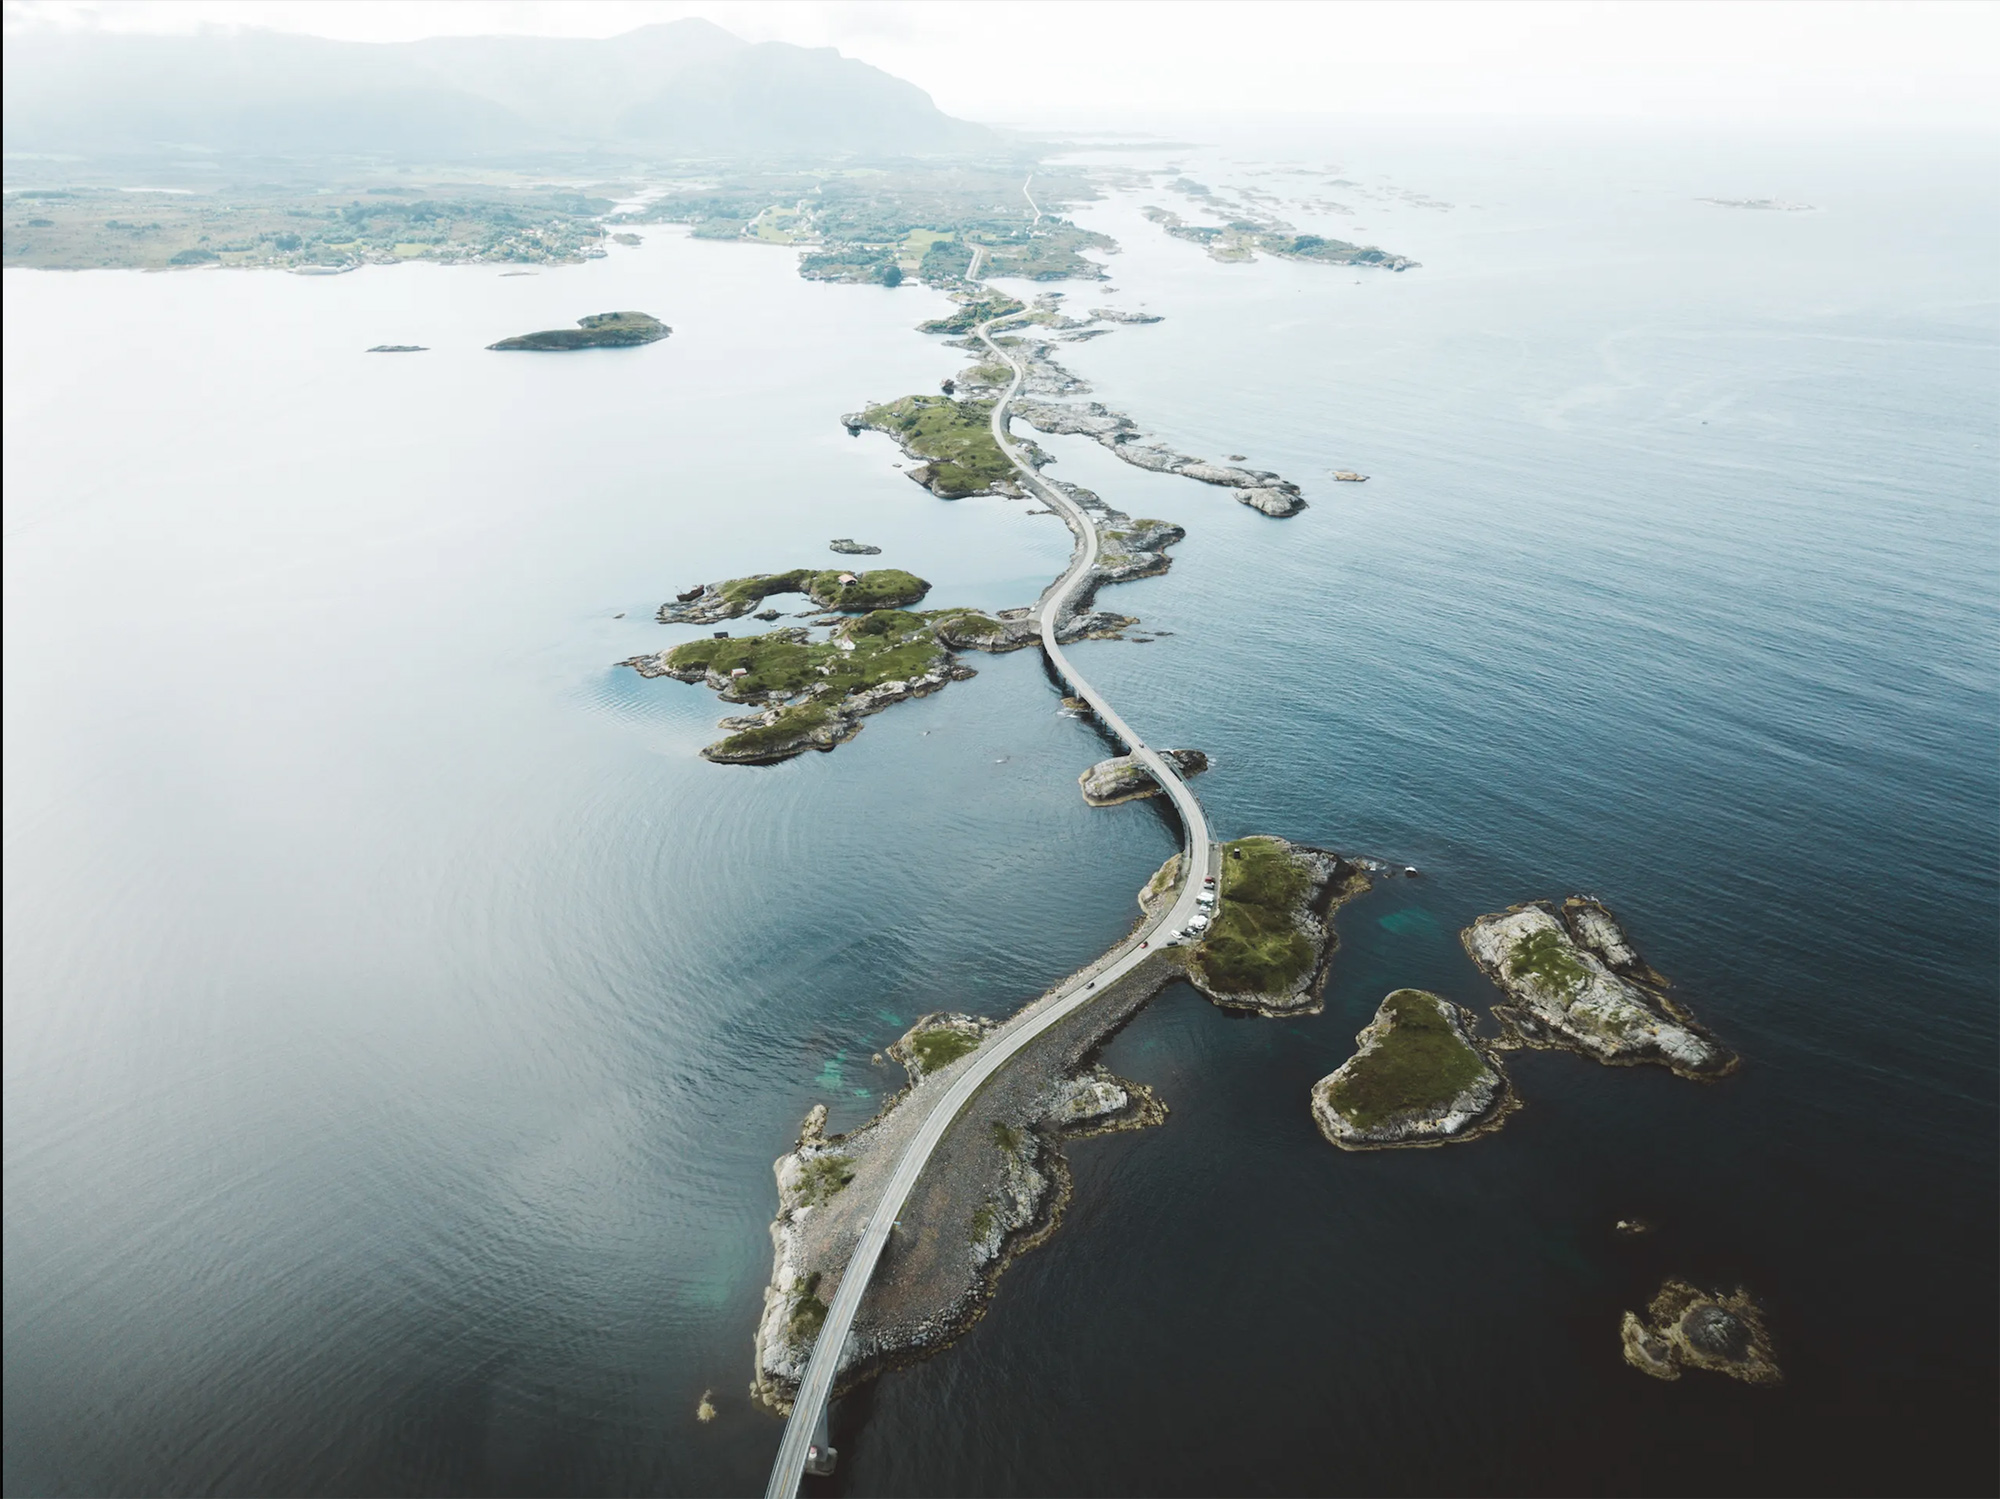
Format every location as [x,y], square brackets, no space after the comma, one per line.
[1114,315]
[1258,488]
[995,1188]
[1692,1328]
[1123,779]
[711,603]
[1420,1077]
[840,723]
[1573,981]
[852,548]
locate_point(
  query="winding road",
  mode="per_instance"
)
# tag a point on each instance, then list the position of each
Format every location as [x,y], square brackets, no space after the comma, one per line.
[806,1427]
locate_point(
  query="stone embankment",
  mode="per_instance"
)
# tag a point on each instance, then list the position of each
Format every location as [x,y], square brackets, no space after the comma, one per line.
[1573,980]
[995,1187]
[1123,779]
[1421,1077]
[1696,1329]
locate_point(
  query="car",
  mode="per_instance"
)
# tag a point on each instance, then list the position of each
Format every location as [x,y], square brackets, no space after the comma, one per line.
[1206,898]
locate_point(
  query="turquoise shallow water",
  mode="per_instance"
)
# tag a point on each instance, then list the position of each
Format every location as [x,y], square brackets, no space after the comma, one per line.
[401,1020]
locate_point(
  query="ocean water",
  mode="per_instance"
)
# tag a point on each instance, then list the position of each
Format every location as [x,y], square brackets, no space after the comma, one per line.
[401,1019]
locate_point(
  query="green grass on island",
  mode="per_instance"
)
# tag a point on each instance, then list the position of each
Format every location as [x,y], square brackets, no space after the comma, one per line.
[965,624]
[888,645]
[1420,1064]
[972,314]
[808,1311]
[601,330]
[1254,946]
[939,1048]
[954,435]
[1547,956]
[824,1176]
[881,588]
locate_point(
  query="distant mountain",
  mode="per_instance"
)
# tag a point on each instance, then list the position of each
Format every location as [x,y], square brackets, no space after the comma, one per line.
[685,87]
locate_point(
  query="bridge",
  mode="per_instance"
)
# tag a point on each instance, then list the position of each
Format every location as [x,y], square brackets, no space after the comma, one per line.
[806,1445]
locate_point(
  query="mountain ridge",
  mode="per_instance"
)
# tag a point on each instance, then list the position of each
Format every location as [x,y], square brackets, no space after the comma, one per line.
[686,86]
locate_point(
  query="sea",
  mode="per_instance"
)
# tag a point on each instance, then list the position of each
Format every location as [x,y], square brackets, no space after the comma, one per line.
[402,1019]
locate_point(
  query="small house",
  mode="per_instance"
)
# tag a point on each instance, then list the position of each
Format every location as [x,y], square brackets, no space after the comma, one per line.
[848,580]
[739,671]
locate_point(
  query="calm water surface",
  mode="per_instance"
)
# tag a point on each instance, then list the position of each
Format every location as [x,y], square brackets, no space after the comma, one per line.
[401,1019]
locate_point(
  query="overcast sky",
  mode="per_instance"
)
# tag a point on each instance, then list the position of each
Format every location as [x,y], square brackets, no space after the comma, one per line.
[1914,62]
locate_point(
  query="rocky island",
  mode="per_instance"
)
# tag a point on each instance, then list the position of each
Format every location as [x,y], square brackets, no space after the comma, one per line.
[1272,935]
[1241,239]
[812,694]
[952,439]
[1574,981]
[1123,779]
[830,588]
[1421,1077]
[1696,1329]
[601,330]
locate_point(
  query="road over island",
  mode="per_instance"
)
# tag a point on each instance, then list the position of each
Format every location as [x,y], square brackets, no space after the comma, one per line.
[806,1428]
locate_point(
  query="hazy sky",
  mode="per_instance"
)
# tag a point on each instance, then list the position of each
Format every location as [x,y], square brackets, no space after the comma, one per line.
[1916,62]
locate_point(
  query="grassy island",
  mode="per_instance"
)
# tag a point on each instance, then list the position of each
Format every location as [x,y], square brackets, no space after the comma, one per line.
[601,330]
[1420,1077]
[972,314]
[813,692]
[1255,945]
[955,437]
[1420,1063]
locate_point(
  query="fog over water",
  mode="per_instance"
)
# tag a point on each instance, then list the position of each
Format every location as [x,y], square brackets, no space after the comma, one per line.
[401,1019]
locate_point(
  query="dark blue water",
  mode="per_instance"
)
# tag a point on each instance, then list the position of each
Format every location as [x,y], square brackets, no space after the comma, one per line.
[401,1020]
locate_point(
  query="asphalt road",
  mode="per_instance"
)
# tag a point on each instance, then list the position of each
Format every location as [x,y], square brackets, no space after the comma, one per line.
[817,1385]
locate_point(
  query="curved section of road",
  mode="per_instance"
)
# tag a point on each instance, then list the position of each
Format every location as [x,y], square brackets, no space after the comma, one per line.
[816,1387]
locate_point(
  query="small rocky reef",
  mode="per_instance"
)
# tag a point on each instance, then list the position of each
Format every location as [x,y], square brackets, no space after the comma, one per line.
[1124,779]
[830,588]
[1573,980]
[601,330]
[847,546]
[1687,1327]
[1421,1077]
[1269,942]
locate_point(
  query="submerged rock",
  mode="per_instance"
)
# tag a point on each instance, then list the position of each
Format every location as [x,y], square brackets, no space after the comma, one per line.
[1692,1328]
[1421,1077]
[1122,778]
[1573,981]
